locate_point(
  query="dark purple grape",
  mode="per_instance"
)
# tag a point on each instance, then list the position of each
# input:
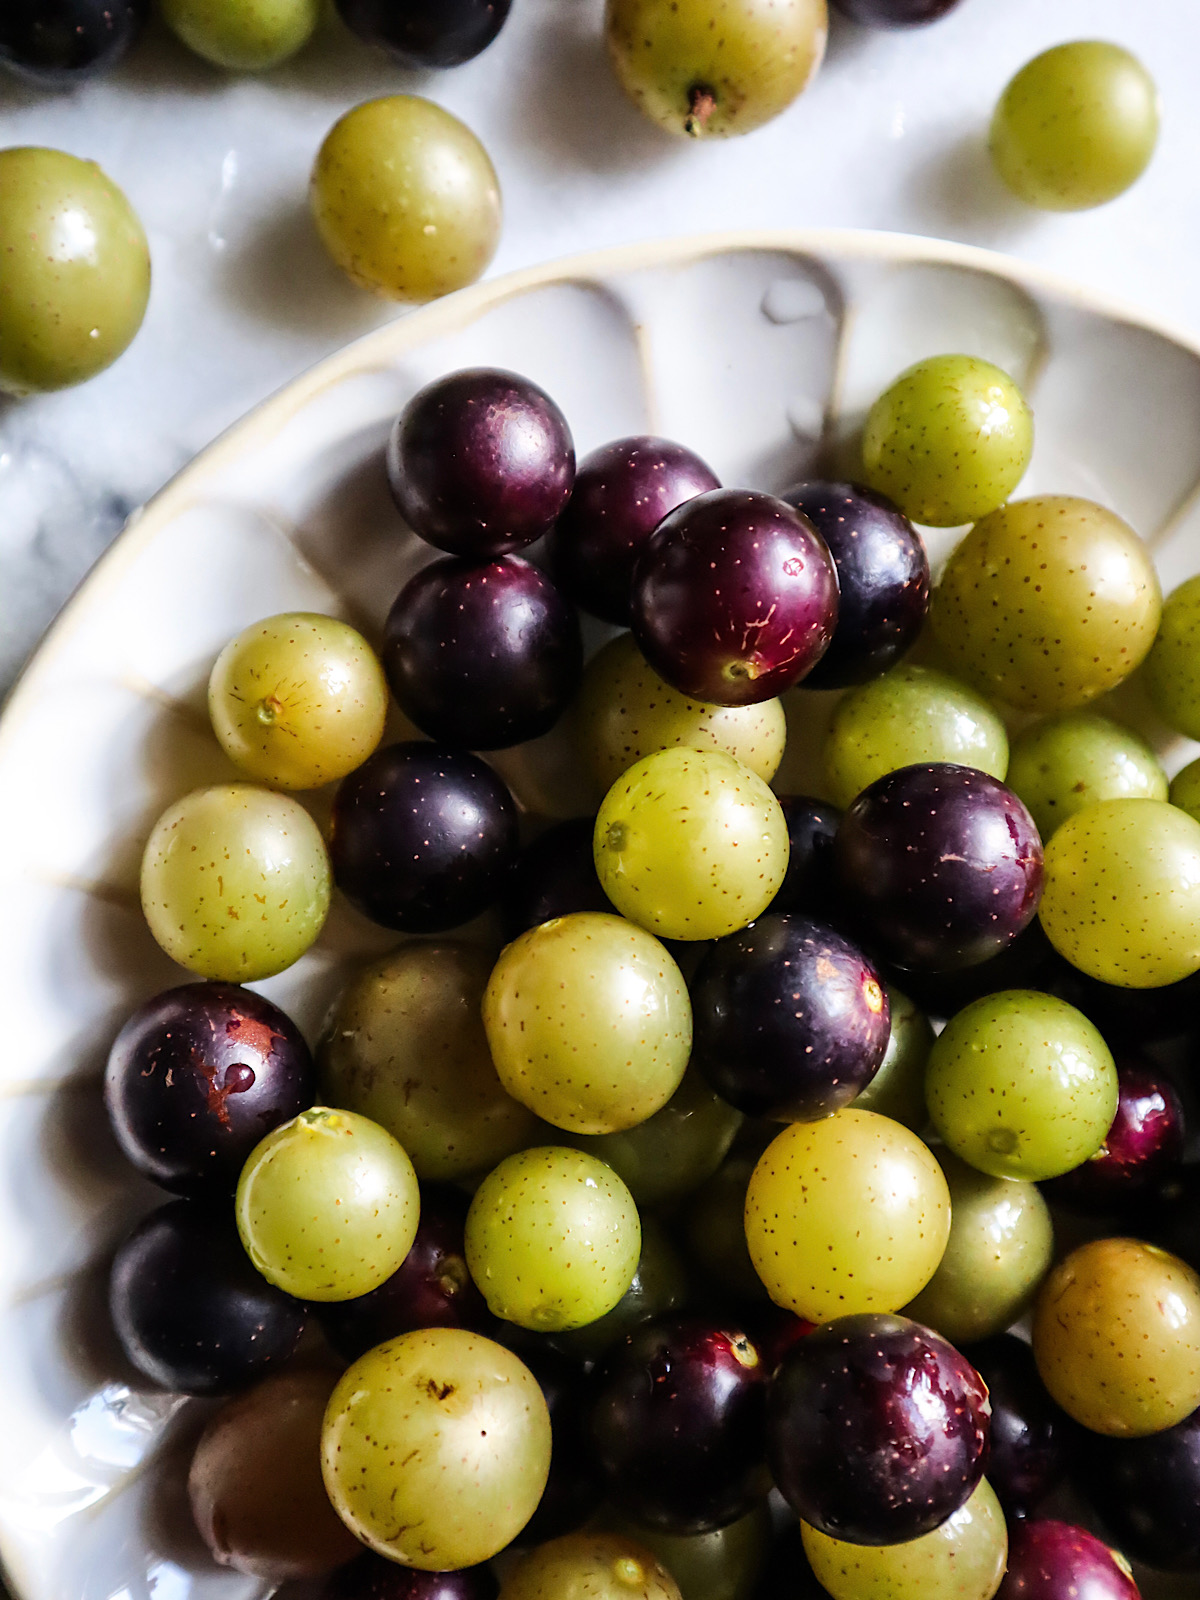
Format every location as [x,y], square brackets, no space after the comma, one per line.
[481,463]
[1148,1492]
[423,838]
[554,876]
[190,1310]
[941,864]
[734,597]
[372,1577]
[426,33]
[1057,1561]
[1030,1436]
[878,1429]
[1143,1146]
[811,826]
[574,1489]
[55,43]
[622,492]
[1029,962]
[883,580]
[197,1077]
[791,1020]
[894,13]
[775,1332]
[482,655]
[678,1424]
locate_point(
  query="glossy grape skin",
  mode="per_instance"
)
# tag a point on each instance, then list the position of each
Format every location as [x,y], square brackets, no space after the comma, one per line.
[622,492]
[909,715]
[480,462]
[235,882]
[722,1565]
[949,441]
[691,844]
[1116,1335]
[1076,126]
[895,13]
[1056,1561]
[941,864]
[423,837]
[1122,894]
[327,1205]
[846,1215]
[714,1232]
[1058,766]
[589,1023]
[734,597]
[242,35]
[60,43]
[1171,672]
[898,1088]
[371,1577]
[600,1566]
[189,1310]
[474,1427]
[964,1559]
[426,33]
[1184,791]
[297,700]
[1047,603]
[1147,1491]
[809,882]
[883,580]
[1029,1438]
[1021,1085]
[1143,1146]
[76,271]
[1001,1246]
[554,876]
[660,1287]
[255,1482]
[878,1429]
[405,199]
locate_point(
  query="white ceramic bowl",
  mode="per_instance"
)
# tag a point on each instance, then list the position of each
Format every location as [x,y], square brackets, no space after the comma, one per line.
[759,351]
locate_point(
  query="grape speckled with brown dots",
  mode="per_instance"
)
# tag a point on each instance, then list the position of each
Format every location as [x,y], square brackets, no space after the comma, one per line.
[590,1566]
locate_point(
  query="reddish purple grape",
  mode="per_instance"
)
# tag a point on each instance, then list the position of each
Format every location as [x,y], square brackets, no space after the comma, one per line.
[678,1424]
[734,597]
[426,33]
[622,492]
[1143,1146]
[1148,1492]
[483,655]
[423,838]
[1057,1561]
[878,1429]
[811,825]
[941,864]
[481,463]
[190,1310]
[554,876]
[372,1577]
[894,13]
[791,1020]
[883,580]
[1030,1436]
[197,1077]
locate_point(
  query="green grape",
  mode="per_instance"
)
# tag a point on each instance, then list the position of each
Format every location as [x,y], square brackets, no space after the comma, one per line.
[76,273]
[405,199]
[1001,1246]
[327,1205]
[909,715]
[235,882]
[405,1046]
[1076,126]
[898,1088]
[949,441]
[469,1425]
[1121,898]
[1185,790]
[845,1215]
[589,1022]
[553,1239]
[723,1565]
[590,1566]
[1047,603]
[675,1150]
[691,844]
[298,700]
[1116,1337]
[706,69]
[1173,665]
[964,1559]
[243,35]
[1066,762]
[659,1287]
[714,1231]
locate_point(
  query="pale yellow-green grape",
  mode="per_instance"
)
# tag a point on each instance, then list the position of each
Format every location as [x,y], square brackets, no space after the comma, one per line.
[908,715]
[327,1205]
[553,1239]
[1076,126]
[722,1565]
[1185,790]
[898,1088]
[1064,763]
[235,882]
[406,199]
[590,1566]
[243,35]
[658,1287]
[1122,892]
[469,1423]
[848,1214]
[76,270]
[1173,665]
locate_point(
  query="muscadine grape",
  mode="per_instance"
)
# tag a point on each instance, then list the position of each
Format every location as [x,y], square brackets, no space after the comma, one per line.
[1172,670]
[809,883]
[1064,763]
[1185,789]
[1147,1491]
[59,42]
[600,1566]
[243,35]
[426,33]
[898,1088]
[1049,1560]
[554,876]
[1029,1452]
[895,13]
[714,1231]
[660,1287]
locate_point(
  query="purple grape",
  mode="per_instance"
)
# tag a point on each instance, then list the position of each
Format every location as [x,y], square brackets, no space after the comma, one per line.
[894,13]
[372,1577]
[734,597]
[197,1077]
[482,655]
[878,1429]
[1030,1436]
[554,876]
[55,43]
[574,1491]
[189,1309]
[811,826]
[1148,1492]
[481,463]
[883,580]
[678,1424]
[622,492]
[1143,1146]
[1057,1561]
[791,1020]
[426,33]
[942,866]
[423,838]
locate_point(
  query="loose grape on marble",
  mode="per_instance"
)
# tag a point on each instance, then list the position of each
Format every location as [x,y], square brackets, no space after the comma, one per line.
[243,35]
[426,33]
[1059,765]
[63,42]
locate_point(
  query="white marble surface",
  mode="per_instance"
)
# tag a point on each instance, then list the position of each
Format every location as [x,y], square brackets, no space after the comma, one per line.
[889,136]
